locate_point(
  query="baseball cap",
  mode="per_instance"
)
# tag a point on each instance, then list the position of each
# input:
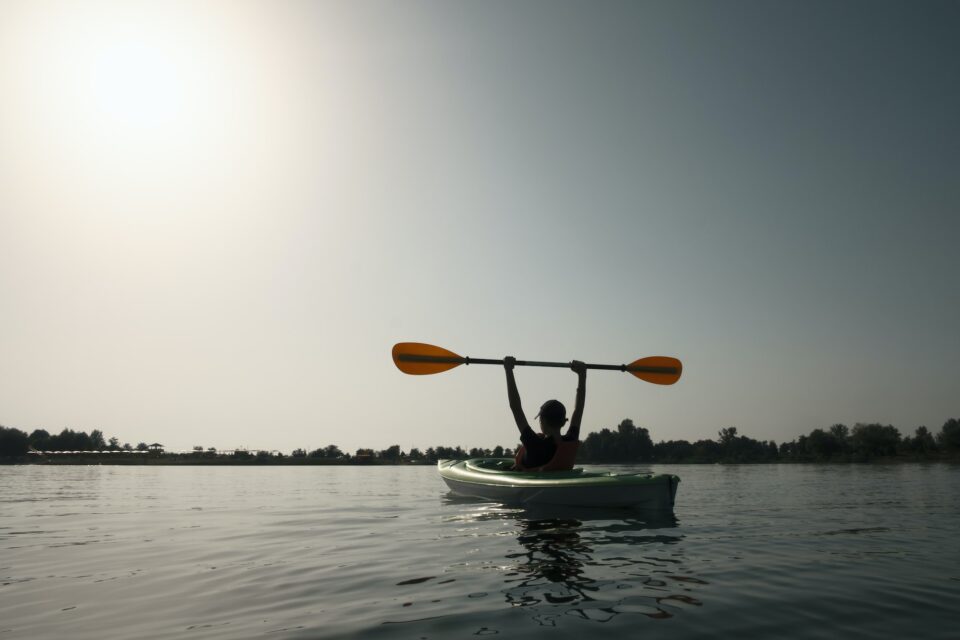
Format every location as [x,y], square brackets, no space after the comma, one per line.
[553,411]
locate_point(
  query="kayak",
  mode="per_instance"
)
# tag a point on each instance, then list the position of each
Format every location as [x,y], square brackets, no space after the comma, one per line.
[492,479]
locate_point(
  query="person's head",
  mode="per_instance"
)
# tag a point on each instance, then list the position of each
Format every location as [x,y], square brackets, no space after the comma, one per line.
[552,416]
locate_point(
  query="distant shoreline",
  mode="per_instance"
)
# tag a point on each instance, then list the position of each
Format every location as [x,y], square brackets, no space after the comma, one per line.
[189,460]
[628,444]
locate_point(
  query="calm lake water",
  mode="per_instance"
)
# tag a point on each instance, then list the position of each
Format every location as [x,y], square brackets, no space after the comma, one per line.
[786,551]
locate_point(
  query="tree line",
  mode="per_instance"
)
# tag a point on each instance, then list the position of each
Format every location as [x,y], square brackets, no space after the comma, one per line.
[14,442]
[839,443]
[627,443]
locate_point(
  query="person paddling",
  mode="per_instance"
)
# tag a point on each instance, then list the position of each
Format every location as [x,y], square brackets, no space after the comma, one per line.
[548,451]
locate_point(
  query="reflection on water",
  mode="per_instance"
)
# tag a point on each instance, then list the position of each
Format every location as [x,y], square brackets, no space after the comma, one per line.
[591,564]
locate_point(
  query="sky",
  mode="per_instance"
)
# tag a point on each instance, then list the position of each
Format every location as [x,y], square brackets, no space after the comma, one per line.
[217,218]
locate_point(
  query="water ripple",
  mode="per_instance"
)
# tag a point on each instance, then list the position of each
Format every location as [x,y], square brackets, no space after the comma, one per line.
[319,552]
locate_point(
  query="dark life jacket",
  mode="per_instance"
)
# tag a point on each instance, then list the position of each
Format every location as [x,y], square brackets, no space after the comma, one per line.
[562,460]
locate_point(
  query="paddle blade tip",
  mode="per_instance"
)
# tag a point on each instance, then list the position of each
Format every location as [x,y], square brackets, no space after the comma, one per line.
[421,359]
[663,370]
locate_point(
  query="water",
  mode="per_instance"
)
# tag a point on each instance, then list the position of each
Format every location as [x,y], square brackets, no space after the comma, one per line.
[812,551]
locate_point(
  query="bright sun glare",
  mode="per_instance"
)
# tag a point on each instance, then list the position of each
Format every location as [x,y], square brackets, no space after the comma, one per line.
[109,94]
[137,85]
[167,111]
[127,77]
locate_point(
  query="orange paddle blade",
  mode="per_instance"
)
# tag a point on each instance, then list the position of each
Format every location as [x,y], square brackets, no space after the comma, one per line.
[420,359]
[657,369]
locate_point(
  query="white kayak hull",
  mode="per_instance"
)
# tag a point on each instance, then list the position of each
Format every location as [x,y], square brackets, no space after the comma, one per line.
[490,479]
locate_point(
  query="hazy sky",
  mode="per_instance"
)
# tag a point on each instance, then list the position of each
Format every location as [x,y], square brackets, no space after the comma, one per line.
[217,218]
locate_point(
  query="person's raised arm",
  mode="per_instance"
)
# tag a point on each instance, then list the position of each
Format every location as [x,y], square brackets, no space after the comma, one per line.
[581,370]
[513,395]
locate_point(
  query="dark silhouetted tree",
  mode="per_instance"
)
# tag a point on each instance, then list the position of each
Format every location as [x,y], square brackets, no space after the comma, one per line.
[13,442]
[949,436]
[823,445]
[40,440]
[97,442]
[922,442]
[874,440]
[673,451]
[391,453]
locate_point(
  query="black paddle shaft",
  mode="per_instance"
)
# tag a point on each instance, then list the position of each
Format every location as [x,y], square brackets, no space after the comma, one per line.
[409,357]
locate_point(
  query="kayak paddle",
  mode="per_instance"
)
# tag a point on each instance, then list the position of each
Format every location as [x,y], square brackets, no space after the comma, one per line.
[418,359]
